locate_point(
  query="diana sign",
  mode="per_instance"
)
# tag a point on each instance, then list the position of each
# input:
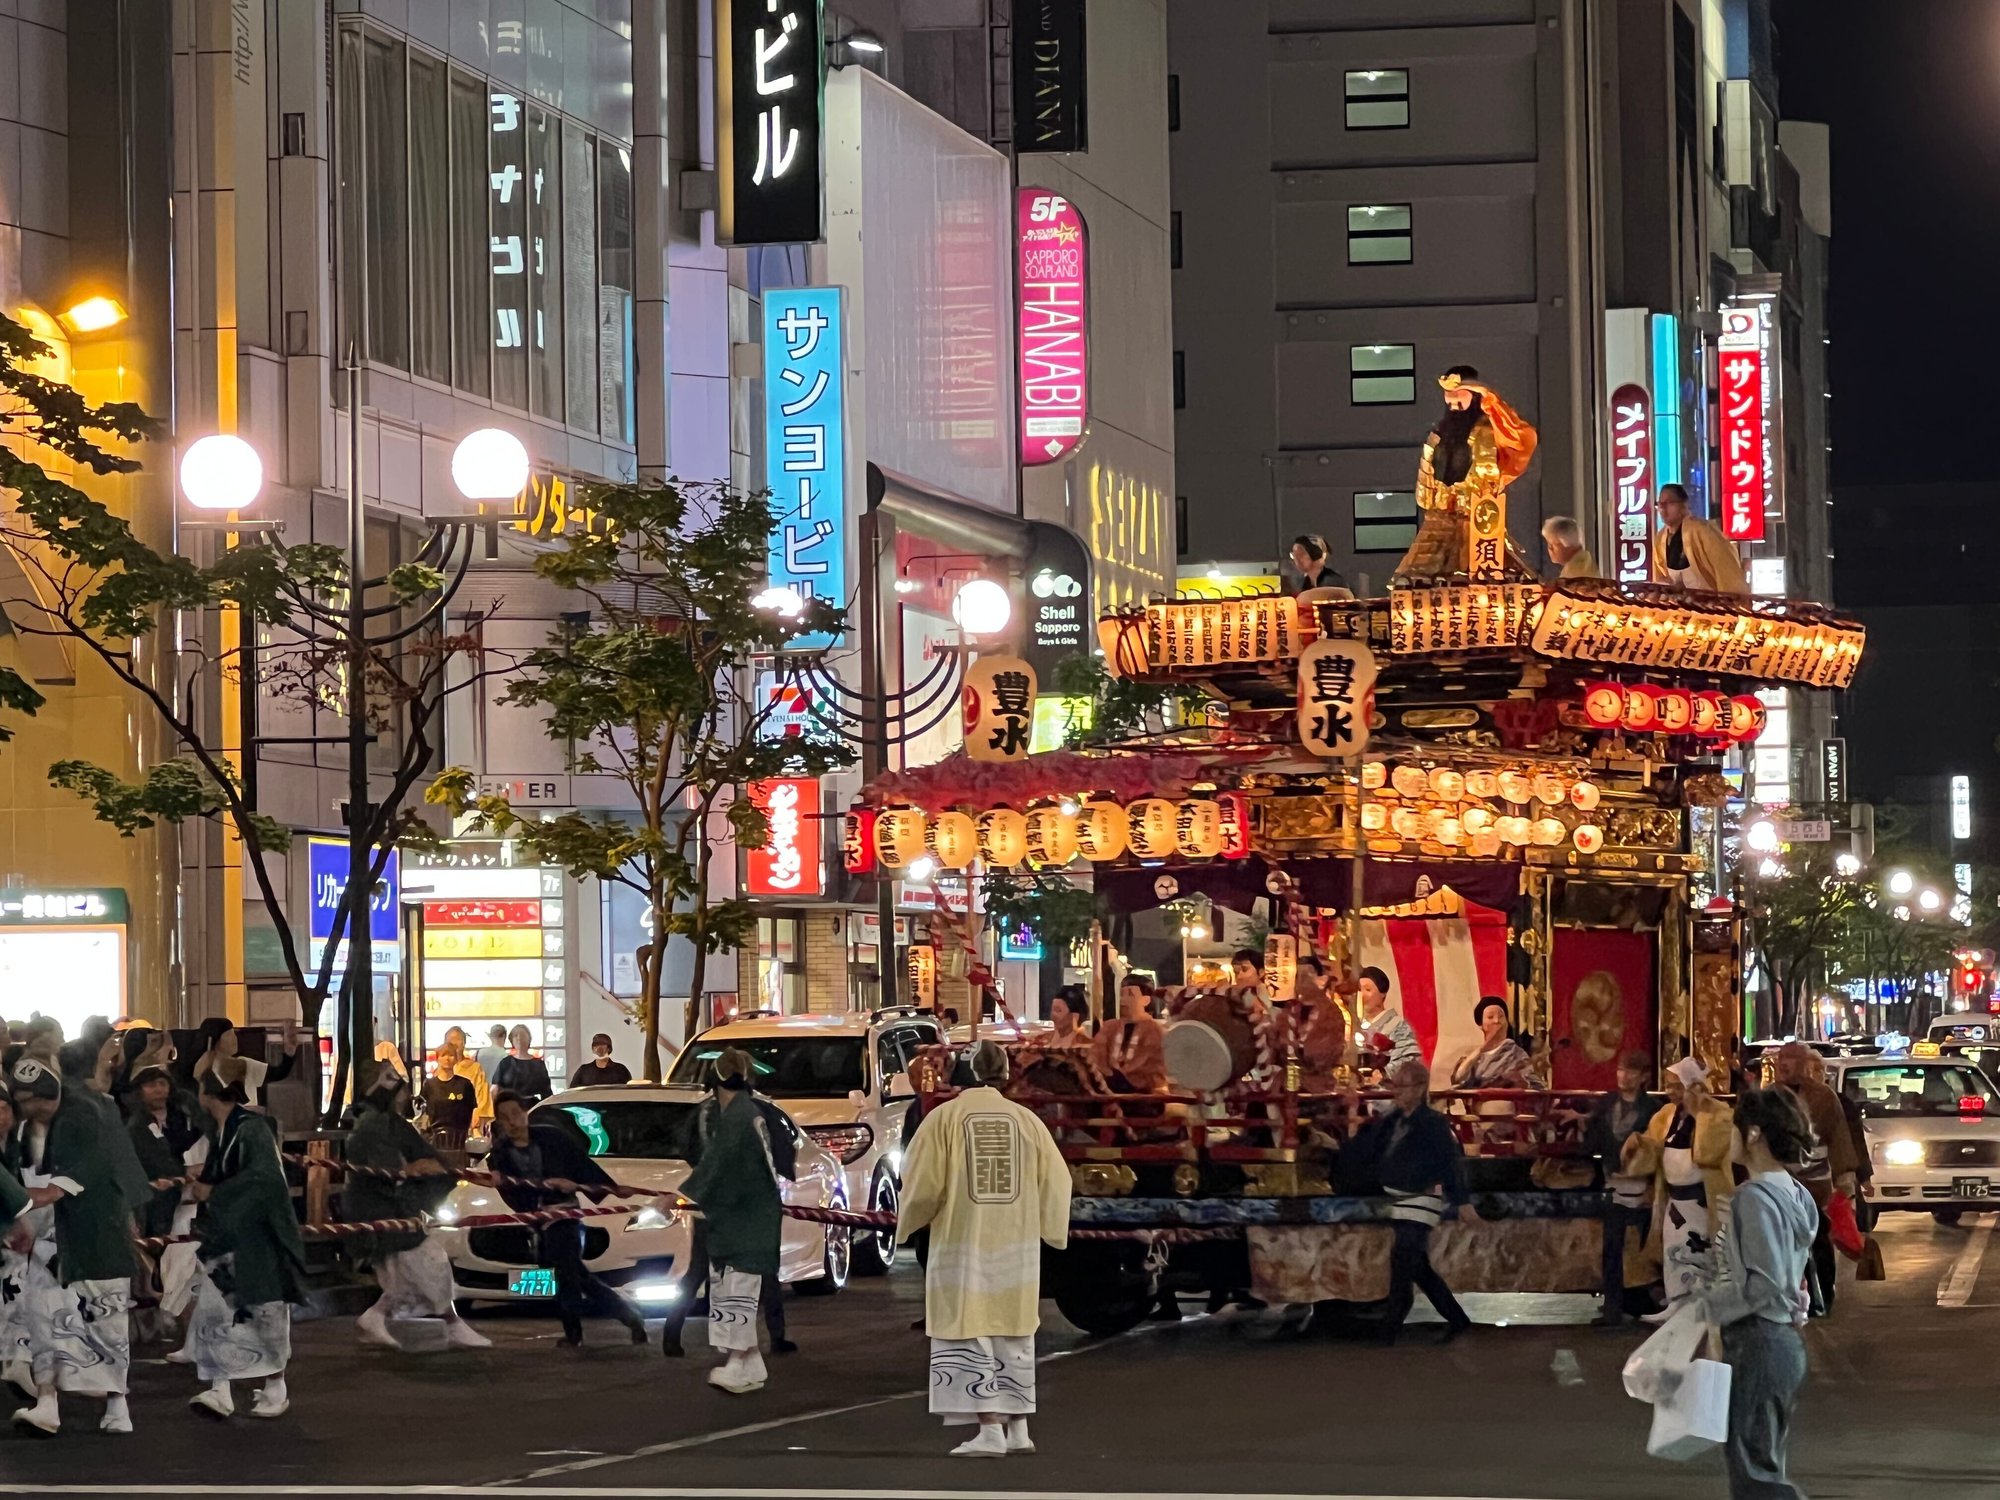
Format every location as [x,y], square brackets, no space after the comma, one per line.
[770,60]
[1746,394]
[1632,476]
[1049,74]
[805,443]
[1053,261]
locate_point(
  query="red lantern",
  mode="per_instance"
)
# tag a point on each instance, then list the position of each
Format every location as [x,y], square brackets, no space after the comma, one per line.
[1642,707]
[1676,710]
[1746,718]
[1235,808]
[857,841]
[1604,704]
[1708,714]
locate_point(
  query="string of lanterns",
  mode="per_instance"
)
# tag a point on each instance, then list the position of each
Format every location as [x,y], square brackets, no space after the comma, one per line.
[1643,708]
[1050,834]
[1453,808]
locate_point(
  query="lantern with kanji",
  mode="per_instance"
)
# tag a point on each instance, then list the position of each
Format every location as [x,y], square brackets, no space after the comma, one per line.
[1550,788]
[998,708]
[1449,785]
[1588,837]
[899,837]
[1374,816]
[1003,837]
[1051,836]
[1547,832]
[1198,828]
[1450,832]
[1405,822]
[1481,784]
[953,839]
[1234,810]
[1374,775]
[1409,781]
[1151,827]
[1476,820]
[1676,710]
[1583,796]
[1642,707]
[1485,843]
[857,841]
[1515,787]
[1604,704]
[1746,718]
[1512,830]
[1101,830]
[1706,713]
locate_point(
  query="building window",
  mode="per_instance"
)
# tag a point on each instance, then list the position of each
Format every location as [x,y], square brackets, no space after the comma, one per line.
[617,267]
[1180,380]
[1382,374]
[385,163]
[430,205]
[1384,520]
[1378,234]
[471,232]
[781,966]
[1174,240]
[1378,99]
[1173,101]
[579,283]
[1180,526]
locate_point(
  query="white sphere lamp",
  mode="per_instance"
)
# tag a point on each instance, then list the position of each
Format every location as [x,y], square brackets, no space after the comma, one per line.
[489,465]
[221,472]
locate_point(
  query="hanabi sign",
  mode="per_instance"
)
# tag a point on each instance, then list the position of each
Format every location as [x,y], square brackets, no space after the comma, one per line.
[789,863]
[1632,479]
[1744,395]
[805,443]
[1336,697]
[1052,259]
[770,60]
[999,708]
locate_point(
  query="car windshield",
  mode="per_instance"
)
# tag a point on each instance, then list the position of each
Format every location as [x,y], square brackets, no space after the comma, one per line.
[1899,1091]
[788,1067]
[647,1129]
[1974,1033]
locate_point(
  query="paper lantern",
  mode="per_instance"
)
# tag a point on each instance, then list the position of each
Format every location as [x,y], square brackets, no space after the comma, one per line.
[899,837]
[1374,775]
[1409,781]
[1583,796]
[1547,832]
[1642,707]
[1102,830]
[1589,838]
[1706,717]
[1374,816]
[1746,718]
[1485,844]
[953,839]
[857,841]
[1051,836]
[1450,832]
[1448,784]
[1198,828]
[1405,822]
[1676,710]
[1481,784]
[1604,704]
[1512,830]
[1151,831]
[1476,820]
[1429,821]
[1550,788]
[1003,837]
[1234,808]
[1515,787]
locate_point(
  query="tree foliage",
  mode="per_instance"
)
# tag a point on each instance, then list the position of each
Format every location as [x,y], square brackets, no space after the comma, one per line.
[656,693]
[1116,708]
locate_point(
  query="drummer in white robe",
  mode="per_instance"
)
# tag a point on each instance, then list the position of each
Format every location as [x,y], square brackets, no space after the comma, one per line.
[984,1176]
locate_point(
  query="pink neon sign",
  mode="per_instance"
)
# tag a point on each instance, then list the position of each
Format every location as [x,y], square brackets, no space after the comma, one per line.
[1053,263]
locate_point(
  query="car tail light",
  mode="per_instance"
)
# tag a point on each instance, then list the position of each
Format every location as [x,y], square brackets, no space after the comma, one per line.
[848,1142]
[1972,1104]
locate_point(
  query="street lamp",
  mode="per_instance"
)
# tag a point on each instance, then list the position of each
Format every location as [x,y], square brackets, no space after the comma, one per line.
[1930,900]
[785,603]
[981,607]
[1762,836]
[1847,866]
[1901,882]
[489,465]
[221,472]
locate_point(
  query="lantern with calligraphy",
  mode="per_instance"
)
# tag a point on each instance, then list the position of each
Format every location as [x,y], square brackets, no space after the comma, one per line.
[1746,718]
[1336,697]
[1583,796]
[1374,816]
[1405,823]
[1450,832]
[1642,707]
[1515,787]
[1547,832]
[1512,830]
[1003,837]
[1604,704]
[1234,809]
[857,841]
[899,837]
[1051,836]
[1448,784]
[1588,837]
[1476,820]
[1101,829]
[1485,844]
[1198,828]
[953,839]
[1706,714]
[1374,775]
[1550,788]
[997,705]
[1481,784]
[1409,781]
[1676,710]
[1150,833]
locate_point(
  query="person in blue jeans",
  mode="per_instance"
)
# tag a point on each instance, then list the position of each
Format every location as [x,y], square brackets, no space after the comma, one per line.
[1618,1116]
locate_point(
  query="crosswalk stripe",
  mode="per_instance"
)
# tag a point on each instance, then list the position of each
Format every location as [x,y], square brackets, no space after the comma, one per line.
[1956,1288]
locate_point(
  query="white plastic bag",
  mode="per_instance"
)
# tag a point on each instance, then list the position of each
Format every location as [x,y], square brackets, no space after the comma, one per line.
[1694,1416]
[1655,1367]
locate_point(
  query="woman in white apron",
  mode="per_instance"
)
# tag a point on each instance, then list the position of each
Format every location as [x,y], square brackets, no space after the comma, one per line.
[1693,1182]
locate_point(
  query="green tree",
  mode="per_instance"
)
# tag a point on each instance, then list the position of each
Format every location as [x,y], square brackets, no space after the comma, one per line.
[1796,912]
[1107,709]
[89,581]
[655,692]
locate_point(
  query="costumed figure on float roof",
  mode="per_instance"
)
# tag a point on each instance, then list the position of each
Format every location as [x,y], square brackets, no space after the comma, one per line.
[1479,447]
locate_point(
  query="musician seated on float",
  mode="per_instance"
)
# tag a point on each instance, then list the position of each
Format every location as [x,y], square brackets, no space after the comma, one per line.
[1069,1013]
[1248,967]
[1498,1062]
[1130,1050]
[1322,1024]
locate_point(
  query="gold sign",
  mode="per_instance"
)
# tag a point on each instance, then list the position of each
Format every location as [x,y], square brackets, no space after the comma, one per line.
[479,942]
[1473,617]
[551,507]
[1815,652]
[1186,634]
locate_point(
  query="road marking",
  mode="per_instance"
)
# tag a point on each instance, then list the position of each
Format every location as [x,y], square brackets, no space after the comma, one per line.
[1958,1282]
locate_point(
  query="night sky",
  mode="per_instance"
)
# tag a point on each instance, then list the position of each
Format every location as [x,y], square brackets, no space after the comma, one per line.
[1911,89]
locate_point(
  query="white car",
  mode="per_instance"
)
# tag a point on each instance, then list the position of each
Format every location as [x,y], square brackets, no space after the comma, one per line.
[639,1134]
[845,1079]
[1933,1130]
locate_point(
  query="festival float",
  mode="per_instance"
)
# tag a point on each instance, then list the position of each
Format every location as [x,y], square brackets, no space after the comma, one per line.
[1480,784]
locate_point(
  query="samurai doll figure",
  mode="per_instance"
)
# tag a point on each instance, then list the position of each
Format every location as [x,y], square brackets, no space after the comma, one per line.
[1479,447]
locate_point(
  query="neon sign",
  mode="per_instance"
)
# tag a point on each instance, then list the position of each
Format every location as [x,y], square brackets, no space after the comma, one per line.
[1053,260]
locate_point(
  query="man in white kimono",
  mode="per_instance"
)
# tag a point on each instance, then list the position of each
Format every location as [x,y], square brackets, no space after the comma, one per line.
[984,1176]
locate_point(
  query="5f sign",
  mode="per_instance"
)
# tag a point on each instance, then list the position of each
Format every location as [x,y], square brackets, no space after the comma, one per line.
[770,61]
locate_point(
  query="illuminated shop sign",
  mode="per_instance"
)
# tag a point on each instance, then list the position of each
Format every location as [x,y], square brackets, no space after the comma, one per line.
[769,66]
[1052,258]
[789,864]
[326,868]
[805,443]
[1050,113]
[1633,482]
[1746,395]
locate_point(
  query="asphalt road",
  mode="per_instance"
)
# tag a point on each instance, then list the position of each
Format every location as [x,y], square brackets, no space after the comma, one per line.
[1899,1405]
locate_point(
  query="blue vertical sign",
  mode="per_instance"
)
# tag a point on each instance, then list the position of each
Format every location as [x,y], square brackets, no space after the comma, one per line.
[805,443]
[326,867]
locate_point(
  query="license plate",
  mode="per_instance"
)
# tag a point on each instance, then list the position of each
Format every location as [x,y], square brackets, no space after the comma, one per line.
[1971,1187]
[539,1282]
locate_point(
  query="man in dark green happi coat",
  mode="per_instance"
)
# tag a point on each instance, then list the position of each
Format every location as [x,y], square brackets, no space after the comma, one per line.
[736,1186]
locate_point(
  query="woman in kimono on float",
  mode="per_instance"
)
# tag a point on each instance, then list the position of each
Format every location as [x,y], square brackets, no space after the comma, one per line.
[252,1257]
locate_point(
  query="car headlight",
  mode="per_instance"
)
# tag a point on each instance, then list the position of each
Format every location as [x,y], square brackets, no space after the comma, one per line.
[649,1217]
[446,1214]
[1905,1153]
[847,1142]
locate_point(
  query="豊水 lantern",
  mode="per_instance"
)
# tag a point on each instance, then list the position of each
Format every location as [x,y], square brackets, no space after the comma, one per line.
[1642,707]
[1583,796]
[1547,832]
[1604,704]
[1198,828]
[1102,830]
[1447,783]
[1051,836]
[953,839]
[1150,827]
[1003,837]
[1706,715]
[1746,718]
[899,837]
[1409,781]
[1588,837]
[857,841]
[1675,707]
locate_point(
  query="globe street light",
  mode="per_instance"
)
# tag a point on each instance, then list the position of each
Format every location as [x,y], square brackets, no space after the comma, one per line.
[221,472]
[489,465]
[1901,882]
[981,607]
[1930,900]
[1847,866]
[1762,836]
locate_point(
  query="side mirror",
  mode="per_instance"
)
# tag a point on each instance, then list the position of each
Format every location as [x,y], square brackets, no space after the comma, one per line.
[858,1098]
[900,1087]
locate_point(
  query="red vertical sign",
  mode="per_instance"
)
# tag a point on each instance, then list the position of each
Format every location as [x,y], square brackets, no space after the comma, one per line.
[1632,477]
[789,863]
[1745,473]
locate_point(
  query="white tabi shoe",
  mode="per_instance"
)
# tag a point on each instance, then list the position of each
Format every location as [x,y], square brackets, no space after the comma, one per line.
[989,1442]
[260,1406]
[213,1403]
[372,1328]
[117,1415]
[180,1356]
[460,1334]
[1018,1440]
[735,1379]
[42,1417]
